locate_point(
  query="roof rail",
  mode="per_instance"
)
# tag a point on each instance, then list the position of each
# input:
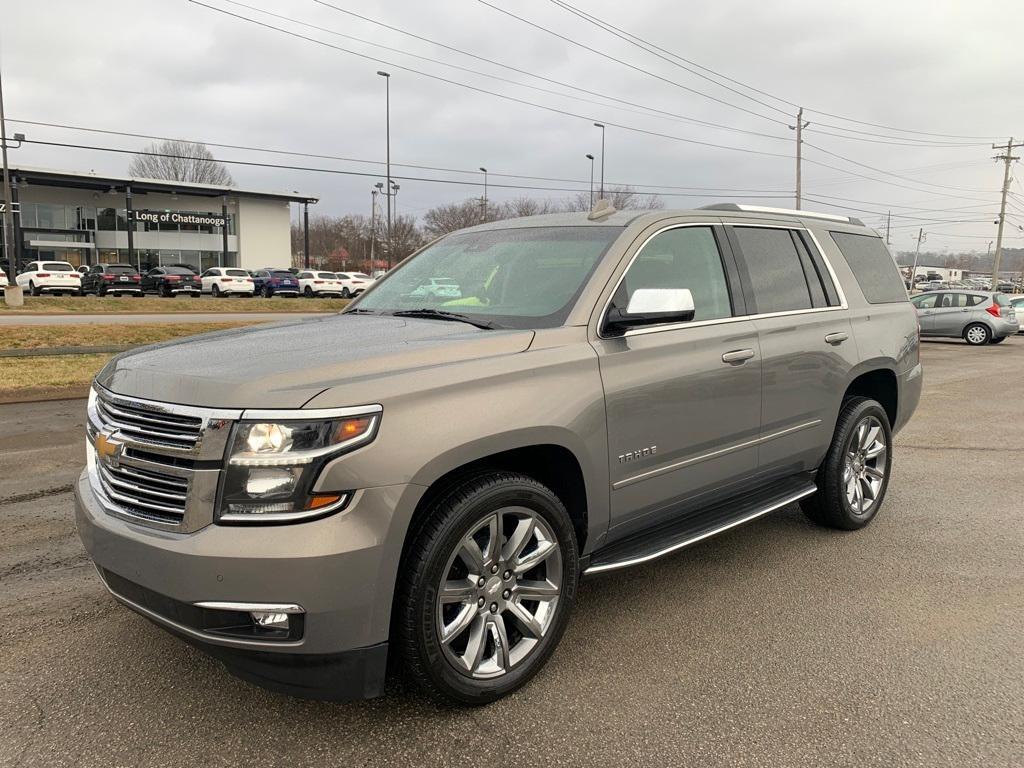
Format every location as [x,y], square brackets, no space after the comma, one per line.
[788,211]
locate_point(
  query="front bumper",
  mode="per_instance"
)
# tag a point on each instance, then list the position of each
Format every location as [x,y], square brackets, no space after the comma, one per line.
[340,569]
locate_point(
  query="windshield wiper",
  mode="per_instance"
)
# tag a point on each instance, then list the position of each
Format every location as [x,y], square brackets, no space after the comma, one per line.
[440,314]
[358,310]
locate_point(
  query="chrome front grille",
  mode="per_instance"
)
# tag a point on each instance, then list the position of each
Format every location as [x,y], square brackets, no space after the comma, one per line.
[149,425]
[151,495]
[156,464]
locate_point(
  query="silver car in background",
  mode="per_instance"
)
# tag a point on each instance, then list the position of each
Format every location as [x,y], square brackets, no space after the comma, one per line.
[977,317]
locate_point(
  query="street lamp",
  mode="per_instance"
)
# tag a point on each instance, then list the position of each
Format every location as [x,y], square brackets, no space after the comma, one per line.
[484,204]
[373,223]
[590,157]
[387,120]
[394,193]
[601,126]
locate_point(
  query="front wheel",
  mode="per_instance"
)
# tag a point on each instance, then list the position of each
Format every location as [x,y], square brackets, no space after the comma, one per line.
[486,589]
[855,474]
[977,335]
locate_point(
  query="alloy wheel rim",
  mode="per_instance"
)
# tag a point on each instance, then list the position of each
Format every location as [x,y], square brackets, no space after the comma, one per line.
[499,593]
[864,469]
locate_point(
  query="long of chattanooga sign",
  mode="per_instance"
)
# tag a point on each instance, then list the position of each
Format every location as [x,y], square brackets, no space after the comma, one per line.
[178,217]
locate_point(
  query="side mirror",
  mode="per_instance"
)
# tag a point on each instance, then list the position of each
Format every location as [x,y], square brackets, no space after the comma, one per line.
[652,306]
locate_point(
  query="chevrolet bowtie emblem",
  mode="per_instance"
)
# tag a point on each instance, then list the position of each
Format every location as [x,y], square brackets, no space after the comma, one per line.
[108,448]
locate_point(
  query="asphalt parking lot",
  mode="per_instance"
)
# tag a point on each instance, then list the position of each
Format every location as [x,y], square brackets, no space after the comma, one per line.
[777,644]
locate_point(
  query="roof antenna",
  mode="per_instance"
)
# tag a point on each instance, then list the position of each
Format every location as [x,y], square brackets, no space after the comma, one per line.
[602,209]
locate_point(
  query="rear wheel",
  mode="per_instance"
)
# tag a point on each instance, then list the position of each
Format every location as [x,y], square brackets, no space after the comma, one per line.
[345,293]
[33,290]
[977,334]
[215,291]
[166,292]
[486,588]
[307,292]
[855,474]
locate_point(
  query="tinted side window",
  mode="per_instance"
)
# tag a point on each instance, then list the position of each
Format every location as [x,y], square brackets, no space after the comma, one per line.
[686,257]
[925,302]
[774,269]
[953,300]
[973,300]
[872,265]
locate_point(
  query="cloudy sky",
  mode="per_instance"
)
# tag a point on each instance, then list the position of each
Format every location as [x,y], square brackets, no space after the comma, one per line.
[933,84]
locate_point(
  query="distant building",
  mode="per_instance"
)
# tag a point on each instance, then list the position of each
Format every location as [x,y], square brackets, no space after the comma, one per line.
[87,218]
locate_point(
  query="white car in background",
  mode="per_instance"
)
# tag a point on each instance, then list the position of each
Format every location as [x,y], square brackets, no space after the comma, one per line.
[312,283]
[354,283]
[3,279]
[225,281]
[50,277]
[1017,302]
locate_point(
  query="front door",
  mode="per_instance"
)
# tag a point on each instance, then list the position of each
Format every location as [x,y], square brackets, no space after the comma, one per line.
[950,314]
[683,400]
[926,308]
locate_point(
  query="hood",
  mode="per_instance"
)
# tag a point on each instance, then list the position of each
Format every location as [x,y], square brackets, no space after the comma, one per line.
[284,365]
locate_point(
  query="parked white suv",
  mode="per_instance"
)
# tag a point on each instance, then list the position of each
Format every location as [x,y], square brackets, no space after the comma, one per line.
[319,284]
[50,277]
[354,283]
[3,279]
[224,281]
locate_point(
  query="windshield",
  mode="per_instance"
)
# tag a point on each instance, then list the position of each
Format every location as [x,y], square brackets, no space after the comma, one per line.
[58,266]
[513,278]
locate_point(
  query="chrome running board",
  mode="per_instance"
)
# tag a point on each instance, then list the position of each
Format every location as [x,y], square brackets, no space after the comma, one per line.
[692,528]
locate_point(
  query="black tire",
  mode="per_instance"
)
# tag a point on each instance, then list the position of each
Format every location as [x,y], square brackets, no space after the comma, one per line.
[432,543]
[33,290]
[829,506]
[264,292]
[215,291]
[977,334]
[165,291]
[101,291]
[997,340]
[345,293]
[307,292]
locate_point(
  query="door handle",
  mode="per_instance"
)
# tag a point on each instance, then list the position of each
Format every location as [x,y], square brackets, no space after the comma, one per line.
[965,309]
[737,356]
[837,338]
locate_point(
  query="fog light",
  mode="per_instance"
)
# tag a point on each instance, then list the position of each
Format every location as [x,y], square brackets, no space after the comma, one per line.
[270,619]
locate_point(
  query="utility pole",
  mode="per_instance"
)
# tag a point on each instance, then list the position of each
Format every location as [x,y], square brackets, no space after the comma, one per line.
[601,126]
[1007,158]
[590,157]
[888,222]
[799,128]
[12,294]
[373,227]
[921,237]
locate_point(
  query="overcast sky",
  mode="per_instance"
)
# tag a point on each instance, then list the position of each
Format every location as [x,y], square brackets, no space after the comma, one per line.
[175,68]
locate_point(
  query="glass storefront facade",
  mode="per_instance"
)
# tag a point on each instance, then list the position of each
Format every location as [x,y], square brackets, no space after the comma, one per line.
[44,226]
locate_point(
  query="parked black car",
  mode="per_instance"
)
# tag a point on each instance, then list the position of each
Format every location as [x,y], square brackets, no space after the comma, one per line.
[116,279]
[172,281]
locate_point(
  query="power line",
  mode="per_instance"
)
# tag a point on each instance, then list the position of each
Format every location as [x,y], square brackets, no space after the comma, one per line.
[631,66]
[640,42]
[292,153]
[517,100]
[340,172]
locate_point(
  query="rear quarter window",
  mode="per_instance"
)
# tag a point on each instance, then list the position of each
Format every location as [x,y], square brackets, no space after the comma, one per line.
[873,266]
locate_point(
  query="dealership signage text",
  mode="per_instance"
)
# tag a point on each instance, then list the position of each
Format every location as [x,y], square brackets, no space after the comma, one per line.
[179,217]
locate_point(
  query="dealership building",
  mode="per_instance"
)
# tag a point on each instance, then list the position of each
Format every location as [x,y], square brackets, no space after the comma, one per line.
[87,218]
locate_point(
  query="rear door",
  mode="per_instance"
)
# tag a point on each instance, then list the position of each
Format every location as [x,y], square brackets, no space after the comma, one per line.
[806,340]
[683,400]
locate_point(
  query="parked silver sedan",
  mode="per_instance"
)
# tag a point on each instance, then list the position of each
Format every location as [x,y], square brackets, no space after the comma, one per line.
[977,317]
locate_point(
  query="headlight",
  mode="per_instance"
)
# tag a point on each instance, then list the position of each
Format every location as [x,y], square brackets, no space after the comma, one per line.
[273,466]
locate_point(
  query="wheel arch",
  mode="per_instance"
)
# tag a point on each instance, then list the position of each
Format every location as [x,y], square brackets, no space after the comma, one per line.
[879,382]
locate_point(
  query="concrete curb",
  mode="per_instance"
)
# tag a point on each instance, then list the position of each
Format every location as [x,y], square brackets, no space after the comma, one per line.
[58,351]
[42,394]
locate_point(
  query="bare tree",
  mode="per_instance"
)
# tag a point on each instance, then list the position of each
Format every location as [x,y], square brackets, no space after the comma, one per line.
[621,198]
[179,161]
[443,219]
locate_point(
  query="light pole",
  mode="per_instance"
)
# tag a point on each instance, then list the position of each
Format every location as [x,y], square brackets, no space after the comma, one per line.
[394,194]
[12,294]
[387,119]
[483,203]
[590,157]
[601,126]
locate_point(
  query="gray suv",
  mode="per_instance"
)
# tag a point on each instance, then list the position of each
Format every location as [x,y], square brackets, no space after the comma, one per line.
[418,483]
[977,317]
